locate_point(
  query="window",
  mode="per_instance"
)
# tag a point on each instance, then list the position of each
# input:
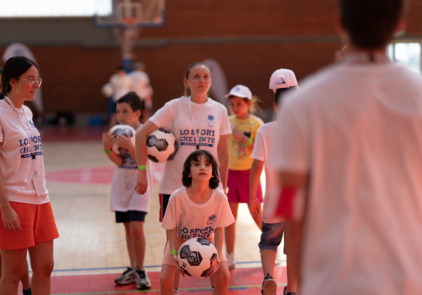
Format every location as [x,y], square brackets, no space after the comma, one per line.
[406,54]
[54,8]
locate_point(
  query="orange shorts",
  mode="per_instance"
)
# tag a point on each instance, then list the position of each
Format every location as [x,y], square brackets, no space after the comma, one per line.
[37,223]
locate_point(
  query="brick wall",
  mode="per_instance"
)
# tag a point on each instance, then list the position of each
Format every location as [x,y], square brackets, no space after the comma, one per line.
[249,38]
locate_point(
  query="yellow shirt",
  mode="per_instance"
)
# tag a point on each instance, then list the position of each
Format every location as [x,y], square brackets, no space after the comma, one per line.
[239,152]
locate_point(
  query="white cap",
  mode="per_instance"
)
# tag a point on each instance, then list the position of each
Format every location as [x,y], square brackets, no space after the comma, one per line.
[283,78]
[240,91]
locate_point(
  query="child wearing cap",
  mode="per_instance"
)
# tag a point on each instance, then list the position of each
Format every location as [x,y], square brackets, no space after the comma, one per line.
[240,144]
[281,81]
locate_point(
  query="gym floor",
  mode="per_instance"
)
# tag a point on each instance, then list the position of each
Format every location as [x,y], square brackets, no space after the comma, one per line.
[91,250]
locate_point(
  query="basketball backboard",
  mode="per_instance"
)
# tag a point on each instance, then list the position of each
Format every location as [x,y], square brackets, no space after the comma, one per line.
[130,13]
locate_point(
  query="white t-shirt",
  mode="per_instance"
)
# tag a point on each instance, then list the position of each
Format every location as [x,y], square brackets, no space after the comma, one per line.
[141,85]
[197,220]
[208,120]
[19,138]
[357,131]
[123,197]
[263,150]
[121,85]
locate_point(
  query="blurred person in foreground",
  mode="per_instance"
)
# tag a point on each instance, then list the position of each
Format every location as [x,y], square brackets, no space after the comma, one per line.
[349,160]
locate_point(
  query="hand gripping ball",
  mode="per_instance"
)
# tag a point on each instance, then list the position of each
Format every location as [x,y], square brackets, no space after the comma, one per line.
[121,129]
[161,146]
[198,257]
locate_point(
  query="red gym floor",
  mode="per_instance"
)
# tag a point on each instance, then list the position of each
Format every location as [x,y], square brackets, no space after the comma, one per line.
[91,250]
[243,281]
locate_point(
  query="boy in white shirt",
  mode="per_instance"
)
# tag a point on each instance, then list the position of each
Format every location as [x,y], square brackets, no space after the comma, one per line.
[351,141]
[281,81]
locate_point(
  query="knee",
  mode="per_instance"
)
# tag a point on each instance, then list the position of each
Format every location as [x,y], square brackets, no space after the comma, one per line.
[44,268]
[136,229]
[166,284]
[13,275]
[223,278]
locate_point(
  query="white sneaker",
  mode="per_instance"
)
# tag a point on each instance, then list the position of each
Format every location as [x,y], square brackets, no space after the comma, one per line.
[127,277]
[278,256]
[142,280]
[230,260]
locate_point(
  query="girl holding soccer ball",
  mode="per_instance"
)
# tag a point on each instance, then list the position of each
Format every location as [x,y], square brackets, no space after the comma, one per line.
[197,122]
[209,213]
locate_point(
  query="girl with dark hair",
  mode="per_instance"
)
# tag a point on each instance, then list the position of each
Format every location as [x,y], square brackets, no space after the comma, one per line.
[26,220]
[197,209]
[197,122]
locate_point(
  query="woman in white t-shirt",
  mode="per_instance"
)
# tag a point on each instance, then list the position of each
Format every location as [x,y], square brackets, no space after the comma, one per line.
[197,122]
[26,221]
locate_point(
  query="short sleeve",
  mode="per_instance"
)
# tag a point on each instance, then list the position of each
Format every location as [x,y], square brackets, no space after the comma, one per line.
[169,220]
[1,132]
[225,128]
[258,151]
[163,118]
[255,129]
[226,214]
[290,141]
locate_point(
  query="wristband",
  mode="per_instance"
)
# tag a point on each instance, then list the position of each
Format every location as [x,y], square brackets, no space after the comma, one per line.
[107,151]
[174,251]
[250,141]
[142,167]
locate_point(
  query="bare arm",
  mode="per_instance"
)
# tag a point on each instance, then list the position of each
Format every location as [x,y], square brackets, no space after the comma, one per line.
[173,239]
[255,174]
[223,159]
[108,140]
[294,228]
[141,154]
[10,218]
[219,240]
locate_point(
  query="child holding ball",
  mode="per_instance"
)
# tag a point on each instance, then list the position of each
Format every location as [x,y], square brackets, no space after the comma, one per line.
[130,207]
[197,209]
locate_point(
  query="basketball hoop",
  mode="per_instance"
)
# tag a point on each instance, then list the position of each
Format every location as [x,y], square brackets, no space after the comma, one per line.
[129,21]
[128,18]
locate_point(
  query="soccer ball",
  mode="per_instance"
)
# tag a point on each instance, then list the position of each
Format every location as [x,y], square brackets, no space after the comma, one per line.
[107,90]
[121,129]
[198,257]
[161,146]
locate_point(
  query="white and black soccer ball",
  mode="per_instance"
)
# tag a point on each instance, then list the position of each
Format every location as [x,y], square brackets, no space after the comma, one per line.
[198,257]
[161,146]
[107,90]
[122,129]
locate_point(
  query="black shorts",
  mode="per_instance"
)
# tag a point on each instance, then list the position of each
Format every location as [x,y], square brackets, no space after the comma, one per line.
[130,216]
[164,201]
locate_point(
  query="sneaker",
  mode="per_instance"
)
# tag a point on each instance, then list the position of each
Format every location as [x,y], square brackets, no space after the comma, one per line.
[278,257]
[230,260]
[269,286]
[289,293]
[142,280]
[27,292]
[127,277]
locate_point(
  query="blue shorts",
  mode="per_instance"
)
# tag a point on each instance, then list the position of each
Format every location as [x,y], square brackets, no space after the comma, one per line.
[129,216]
[272,234]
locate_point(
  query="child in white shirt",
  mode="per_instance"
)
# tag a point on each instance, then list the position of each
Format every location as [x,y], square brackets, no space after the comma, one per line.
[198,209]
